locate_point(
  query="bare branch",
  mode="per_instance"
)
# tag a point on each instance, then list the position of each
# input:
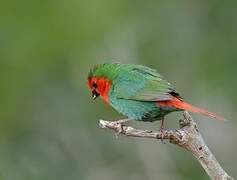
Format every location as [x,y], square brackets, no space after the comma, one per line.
[187,137]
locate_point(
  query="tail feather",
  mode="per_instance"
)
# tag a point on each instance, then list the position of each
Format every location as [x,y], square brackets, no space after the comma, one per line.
[177,103]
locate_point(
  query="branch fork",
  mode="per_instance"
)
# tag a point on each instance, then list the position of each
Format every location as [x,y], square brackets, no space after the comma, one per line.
[187,136]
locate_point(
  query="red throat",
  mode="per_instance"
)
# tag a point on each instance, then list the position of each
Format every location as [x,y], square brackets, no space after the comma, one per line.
[103,86]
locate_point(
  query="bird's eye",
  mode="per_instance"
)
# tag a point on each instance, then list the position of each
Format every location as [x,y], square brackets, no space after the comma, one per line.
[94,85]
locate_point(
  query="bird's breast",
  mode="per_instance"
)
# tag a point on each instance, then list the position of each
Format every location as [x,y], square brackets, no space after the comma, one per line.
[136,110]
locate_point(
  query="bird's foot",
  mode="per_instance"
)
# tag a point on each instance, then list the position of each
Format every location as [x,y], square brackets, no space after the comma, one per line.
[119,130]
[162,132]
[120,124]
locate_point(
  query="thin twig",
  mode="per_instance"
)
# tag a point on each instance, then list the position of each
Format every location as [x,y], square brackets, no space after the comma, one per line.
[187,137]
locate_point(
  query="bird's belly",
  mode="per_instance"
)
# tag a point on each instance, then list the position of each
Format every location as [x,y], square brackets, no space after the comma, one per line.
[137,110]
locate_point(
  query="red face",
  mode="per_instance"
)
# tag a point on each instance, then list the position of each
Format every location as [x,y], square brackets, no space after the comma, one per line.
[99,87]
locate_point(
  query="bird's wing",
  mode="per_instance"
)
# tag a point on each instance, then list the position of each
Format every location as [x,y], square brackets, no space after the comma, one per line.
[144,84]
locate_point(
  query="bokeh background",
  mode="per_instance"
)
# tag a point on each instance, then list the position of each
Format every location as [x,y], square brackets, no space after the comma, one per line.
[48,121]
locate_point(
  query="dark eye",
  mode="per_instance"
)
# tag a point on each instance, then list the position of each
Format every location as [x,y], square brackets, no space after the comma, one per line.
[94,85]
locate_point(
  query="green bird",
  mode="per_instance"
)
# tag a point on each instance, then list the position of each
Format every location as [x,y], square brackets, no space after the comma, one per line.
[138,92]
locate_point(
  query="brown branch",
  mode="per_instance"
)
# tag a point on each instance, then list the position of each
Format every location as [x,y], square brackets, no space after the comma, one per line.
[187,137]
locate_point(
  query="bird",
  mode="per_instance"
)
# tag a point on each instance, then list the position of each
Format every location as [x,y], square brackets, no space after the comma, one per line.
[138,92]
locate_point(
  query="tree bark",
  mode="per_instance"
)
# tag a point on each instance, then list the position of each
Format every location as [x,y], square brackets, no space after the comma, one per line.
[187,137]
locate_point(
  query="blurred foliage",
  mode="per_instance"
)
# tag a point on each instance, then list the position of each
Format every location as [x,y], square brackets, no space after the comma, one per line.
[48,122]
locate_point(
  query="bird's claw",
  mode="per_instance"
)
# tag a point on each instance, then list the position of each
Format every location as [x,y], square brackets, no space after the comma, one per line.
[162,130]
[119,129]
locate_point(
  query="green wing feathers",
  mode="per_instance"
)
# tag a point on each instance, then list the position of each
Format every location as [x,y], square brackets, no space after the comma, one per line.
[142,84]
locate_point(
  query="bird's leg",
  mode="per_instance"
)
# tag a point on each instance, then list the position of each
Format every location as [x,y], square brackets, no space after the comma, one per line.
[121,123]
[162,128]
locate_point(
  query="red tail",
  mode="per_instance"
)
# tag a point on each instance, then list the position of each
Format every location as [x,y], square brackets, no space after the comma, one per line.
[185,106]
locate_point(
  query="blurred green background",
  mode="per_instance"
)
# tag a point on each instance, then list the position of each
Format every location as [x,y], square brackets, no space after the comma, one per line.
[48,121]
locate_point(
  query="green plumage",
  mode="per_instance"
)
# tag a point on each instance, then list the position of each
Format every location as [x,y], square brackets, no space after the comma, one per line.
[135,89]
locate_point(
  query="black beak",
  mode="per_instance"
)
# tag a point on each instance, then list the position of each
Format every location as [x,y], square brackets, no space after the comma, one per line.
[95,94]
